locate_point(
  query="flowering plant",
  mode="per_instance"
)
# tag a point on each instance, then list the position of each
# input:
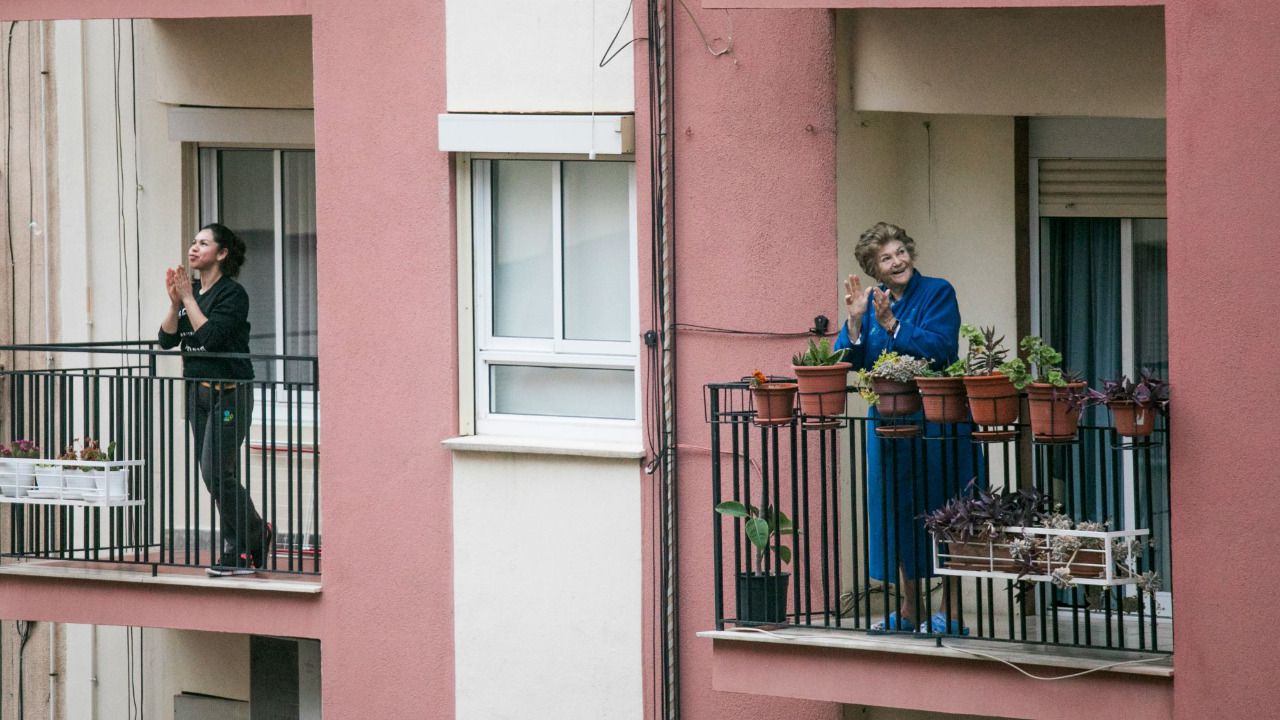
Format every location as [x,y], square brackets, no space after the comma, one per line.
[91,452]
[26,449]
[758,379]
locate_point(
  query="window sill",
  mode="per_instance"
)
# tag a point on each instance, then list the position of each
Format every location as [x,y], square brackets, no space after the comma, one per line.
[544,446]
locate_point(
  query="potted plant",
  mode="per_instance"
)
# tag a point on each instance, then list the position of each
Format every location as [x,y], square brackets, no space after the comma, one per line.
[21,468]
[1133,404]
[943,395]
[761,594]
[1053,397]
[993,400]
[890,386]
[8,473]
[774,401]
[103,480]
[821,374]
[973,526]
[49,476]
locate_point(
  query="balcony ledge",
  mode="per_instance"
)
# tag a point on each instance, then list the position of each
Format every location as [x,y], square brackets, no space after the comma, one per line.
[185,577]
[1041,656]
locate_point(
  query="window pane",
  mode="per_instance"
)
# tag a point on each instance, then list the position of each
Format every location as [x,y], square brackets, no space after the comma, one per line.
[299,256]
[567,392]
[246,203]
[521,196]
[597,246]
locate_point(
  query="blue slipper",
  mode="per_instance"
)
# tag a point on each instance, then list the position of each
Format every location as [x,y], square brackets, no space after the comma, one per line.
[938,625]
[892,623]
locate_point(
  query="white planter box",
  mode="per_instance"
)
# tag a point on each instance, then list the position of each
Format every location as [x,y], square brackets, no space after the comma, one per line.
[66,482]
[992,558]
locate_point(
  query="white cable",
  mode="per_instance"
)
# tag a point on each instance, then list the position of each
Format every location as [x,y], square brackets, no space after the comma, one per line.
[975,653]
[1033,676]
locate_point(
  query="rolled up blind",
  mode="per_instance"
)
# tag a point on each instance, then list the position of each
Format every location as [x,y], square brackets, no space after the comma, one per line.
[1102,188]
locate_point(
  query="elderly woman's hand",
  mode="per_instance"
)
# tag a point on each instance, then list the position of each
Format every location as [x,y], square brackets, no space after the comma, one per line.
[855,302]
[884,315]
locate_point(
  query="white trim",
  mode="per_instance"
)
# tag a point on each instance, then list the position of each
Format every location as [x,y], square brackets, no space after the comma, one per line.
[545,446]
[577,134]
[488,350]
[466,300]
[259,127]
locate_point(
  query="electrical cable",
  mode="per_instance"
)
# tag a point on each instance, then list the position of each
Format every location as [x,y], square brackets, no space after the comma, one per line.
[8,186]
[31,179]
[123,228]
[23,628]
[137,182]
[692,327]
[986,656]
[607,58]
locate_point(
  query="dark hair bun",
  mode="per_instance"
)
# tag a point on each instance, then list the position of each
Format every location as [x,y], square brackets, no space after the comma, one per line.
[229,241]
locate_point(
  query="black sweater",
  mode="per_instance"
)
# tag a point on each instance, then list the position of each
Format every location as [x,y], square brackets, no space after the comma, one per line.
[226,330]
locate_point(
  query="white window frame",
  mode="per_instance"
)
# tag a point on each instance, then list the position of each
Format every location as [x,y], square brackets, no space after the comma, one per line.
[310,398]
[482,349]
[1095,138]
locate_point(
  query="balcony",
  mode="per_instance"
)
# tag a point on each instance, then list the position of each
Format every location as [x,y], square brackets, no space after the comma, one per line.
[159,523]
[815,471]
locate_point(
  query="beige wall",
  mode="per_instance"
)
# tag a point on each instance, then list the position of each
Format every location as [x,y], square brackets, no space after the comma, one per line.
[1072,61]
[947,179]
[168,661]
[232,62]
[541,57]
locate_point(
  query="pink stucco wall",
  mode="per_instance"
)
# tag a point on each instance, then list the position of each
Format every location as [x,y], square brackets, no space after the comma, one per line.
[1224,164]
[755,245]
[388,351]
[756,194]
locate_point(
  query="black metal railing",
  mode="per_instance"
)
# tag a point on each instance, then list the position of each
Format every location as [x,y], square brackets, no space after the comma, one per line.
[134,396]
[815,470]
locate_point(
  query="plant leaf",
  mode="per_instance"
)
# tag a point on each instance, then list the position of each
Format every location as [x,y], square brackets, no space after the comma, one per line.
[732,508]
[758,533]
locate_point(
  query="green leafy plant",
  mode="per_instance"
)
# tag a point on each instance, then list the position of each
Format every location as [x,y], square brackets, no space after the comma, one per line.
[818,354]
[761,527]
[987,354]
[1043,365]
[890,366]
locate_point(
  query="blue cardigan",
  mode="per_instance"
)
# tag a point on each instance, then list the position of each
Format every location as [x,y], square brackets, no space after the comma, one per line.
[929,327]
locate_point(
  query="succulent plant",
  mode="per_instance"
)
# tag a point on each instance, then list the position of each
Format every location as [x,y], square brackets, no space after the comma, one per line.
[818,354]
[890,366]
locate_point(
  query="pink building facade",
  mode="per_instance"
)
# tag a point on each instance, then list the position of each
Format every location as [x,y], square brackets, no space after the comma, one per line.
[757,213]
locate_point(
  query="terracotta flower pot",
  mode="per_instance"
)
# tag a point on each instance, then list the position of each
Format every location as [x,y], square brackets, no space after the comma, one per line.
[896,398]
[944,399]
[993,400]
[980,553]
[823,388]
[1052,416]
[1132,419]
[774,403]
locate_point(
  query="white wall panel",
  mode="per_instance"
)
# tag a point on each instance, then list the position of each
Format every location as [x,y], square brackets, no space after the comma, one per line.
[547,572]
[520,56]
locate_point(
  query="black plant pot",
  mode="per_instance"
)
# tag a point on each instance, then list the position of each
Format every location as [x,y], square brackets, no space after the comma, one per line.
[762,598]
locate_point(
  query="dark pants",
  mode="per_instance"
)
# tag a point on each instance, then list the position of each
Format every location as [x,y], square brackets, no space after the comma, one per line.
[220,421]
